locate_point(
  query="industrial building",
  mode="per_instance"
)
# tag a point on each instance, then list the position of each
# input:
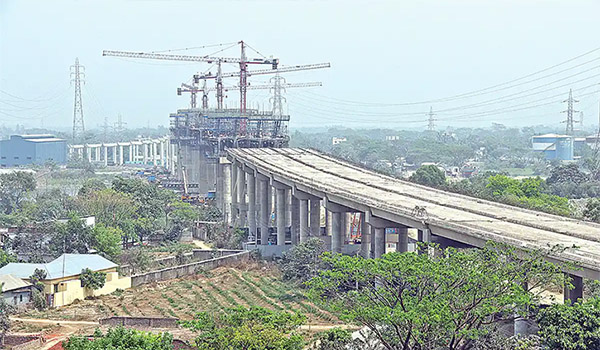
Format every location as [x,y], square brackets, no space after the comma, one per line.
[554,146]
[22,150]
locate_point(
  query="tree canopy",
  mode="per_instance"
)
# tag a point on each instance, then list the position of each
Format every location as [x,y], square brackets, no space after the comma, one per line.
[414,301]
[254,328]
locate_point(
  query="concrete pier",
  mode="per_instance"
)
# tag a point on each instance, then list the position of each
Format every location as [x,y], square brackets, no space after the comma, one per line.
[572,295]
[251,203]
[303,218]
[227,210]
[265,210]
[336,232]
[280,215]
[315,217]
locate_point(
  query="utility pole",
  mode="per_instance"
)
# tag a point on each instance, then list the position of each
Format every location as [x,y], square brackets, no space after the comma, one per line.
[77,77]
[431,120]
[570,111]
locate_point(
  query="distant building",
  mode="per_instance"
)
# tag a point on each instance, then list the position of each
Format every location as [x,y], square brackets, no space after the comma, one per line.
[392,138]
[338,140]
[62,285]
[15,291]
[32,149]
[554,146]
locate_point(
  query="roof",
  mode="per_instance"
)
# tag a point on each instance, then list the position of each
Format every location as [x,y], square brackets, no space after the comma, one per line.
[38,137]
[64,266]
[10,282]
[551,136]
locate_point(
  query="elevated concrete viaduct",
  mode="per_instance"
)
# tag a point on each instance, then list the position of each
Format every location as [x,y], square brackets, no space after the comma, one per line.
[317,180]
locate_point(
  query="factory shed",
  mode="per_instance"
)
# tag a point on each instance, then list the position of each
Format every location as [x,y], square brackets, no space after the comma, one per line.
[22,150]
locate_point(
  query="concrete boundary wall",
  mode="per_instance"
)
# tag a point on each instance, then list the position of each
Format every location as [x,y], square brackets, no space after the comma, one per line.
[172,260]
[188,269]
[138,321]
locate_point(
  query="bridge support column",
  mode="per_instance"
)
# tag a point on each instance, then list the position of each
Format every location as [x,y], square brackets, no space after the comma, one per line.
[234,194]
[303,217]
[308,224]
[145,145]
[281,209]
[241,199]
[338,229]
[227,199]
[265,211]
[252,203]
[379,242]
[315,217]
[295,220]
[121,157]
[97,154]
[402,245]
[379,225]
[572,295]
[105,148]
[365,237]
[424,236]
[336,232]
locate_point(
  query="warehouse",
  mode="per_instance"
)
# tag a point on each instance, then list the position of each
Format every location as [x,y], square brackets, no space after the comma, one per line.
[22,150]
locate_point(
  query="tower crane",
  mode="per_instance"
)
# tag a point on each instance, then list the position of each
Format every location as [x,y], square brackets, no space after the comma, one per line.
[242,74]
[194,89]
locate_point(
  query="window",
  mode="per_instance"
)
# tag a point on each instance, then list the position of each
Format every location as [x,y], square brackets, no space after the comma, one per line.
[16,157]
[3,157]
[28,157]
[21,298]
[56,288]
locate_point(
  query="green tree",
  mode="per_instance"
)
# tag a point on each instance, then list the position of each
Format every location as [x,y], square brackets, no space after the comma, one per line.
[571,327]
[6,258]
[110,207]
[92,279]
[107,240]
[333,339]
[592,210]
[303,261]
[90,186]
[254,328]
[74,236]
[429,175]
[121,339]
[5,311]
[413,301]
[14,188]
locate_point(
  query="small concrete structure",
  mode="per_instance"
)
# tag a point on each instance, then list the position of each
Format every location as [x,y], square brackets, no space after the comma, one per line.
[14,290]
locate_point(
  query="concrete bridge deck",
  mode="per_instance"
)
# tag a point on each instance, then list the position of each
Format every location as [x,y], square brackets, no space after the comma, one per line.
[461,218]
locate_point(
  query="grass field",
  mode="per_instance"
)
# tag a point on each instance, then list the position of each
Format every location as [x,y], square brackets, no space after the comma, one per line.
[213,291]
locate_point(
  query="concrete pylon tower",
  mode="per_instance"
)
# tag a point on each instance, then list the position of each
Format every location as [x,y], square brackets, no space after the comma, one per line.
[77,77]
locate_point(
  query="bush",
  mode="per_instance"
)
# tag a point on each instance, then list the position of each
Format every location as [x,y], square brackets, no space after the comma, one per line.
[571,327]
[303,261]
[429,175]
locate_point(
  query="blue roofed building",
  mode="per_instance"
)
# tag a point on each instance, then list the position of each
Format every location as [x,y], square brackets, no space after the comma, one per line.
[22,150]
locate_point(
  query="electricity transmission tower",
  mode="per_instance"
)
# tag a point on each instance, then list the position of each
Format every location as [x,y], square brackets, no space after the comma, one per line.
[105,127]
[570,111]
[431,120]
[77,77]
[120,125]
[277,99]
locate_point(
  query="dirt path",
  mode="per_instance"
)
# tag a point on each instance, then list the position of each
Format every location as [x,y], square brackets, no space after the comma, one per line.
[200,244]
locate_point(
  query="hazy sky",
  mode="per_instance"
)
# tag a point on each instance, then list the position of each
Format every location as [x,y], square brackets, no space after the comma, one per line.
[383,54]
